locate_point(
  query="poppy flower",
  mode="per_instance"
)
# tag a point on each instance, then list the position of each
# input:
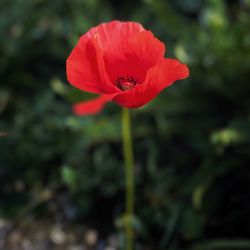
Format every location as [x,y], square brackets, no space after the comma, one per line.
[122,62]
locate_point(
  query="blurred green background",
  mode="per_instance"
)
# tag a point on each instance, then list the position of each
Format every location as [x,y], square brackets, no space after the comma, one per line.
[192,143]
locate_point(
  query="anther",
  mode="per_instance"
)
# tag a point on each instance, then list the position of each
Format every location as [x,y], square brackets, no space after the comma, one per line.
[125,83]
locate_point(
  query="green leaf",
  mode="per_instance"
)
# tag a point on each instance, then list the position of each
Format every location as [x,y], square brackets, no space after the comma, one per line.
[69,177]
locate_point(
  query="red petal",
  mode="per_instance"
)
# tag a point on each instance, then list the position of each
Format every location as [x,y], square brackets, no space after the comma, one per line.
[171,71]
[94,51]
[146,48]
[82,70]
[85,66]
[158,78]
[137,54]
[92,106]
[113,34]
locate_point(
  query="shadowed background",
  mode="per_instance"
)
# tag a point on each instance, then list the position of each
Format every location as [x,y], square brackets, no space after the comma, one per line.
[61,176]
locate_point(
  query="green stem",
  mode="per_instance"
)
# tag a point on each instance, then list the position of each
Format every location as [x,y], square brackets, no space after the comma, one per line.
[129,171]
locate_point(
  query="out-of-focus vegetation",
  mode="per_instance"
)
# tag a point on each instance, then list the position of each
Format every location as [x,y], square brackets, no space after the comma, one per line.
[192,143]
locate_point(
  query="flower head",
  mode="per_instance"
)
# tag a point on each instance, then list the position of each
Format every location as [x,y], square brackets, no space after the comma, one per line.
[123,63]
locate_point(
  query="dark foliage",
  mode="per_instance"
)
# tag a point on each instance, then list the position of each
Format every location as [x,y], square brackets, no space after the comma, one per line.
[191,144]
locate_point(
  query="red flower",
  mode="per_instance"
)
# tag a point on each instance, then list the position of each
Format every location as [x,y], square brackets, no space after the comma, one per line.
[122,62]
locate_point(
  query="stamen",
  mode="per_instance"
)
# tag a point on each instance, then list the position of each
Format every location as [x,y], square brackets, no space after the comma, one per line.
[125,83]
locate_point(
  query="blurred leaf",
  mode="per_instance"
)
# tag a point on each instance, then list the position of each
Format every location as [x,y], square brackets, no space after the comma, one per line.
[4,98]
[192,224]
[198,195]
[227,244]
[69,177]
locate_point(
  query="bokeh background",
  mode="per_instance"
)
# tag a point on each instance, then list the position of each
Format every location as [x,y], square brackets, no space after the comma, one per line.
[62,176]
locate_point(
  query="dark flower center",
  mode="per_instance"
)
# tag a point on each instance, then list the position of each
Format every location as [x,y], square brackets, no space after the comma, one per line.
[126,83]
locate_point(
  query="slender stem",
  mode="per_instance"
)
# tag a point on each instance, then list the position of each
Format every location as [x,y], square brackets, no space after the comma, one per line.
[129,171]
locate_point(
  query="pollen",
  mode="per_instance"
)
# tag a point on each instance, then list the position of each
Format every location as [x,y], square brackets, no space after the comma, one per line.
[126,83]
